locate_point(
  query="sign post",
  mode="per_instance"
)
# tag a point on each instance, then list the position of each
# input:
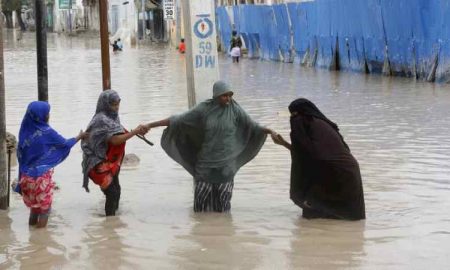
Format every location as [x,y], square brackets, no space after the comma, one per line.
[169,9]
[169,16]
[202,65]
[104,44]
[41,49]
[144,27]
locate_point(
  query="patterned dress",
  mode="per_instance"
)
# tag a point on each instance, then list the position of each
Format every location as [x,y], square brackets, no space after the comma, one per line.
[39,150]
[37,192]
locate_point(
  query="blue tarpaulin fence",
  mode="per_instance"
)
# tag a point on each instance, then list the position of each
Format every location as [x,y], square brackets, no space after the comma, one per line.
[224,27]
[397,37]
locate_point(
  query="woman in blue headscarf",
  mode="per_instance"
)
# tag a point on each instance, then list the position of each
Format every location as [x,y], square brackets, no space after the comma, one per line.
[39,150]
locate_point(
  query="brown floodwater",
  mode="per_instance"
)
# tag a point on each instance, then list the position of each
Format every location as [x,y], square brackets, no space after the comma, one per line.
[397,128]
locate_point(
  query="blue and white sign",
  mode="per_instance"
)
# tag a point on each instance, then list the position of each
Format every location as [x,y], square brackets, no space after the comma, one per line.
[205,48]
[204,27]
[203,67]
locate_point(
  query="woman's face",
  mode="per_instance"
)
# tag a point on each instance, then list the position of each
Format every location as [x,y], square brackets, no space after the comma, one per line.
[225,99]
[295,114]
[115,106]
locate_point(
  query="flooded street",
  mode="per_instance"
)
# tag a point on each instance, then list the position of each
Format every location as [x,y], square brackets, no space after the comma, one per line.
[398,130]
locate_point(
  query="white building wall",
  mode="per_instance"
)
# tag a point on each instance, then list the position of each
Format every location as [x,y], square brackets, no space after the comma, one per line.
[122,20]
[61,16]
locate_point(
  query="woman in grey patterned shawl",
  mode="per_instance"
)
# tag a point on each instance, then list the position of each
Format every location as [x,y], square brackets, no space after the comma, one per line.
[212,141]
[104,150]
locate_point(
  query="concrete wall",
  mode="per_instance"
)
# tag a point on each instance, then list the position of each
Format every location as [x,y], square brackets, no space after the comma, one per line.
[61,17]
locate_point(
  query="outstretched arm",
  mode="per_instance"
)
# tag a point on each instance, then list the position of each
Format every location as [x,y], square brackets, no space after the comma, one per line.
[268,130]
[119,139]
[160,123]
[278,139]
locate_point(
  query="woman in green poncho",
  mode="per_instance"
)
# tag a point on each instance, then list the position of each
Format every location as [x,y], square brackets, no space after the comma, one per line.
[212,141]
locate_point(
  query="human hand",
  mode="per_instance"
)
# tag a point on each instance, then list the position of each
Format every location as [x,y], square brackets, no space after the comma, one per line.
[141,130]
[277,138]
[82,135]
[148,127]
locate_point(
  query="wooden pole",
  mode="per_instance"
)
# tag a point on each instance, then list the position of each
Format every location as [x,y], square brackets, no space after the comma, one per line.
[9,175]
[143,19]
[3,170]
[104,40]
[41,50]
[178,19]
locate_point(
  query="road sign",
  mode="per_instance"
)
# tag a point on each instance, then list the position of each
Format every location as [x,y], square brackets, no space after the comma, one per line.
[169,9]
[67,4]
[202,65]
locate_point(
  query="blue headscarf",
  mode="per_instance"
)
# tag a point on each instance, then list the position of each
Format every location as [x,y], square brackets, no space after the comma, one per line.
[40,147]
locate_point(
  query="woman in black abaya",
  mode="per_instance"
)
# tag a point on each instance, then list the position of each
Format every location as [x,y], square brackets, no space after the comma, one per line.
[325,177]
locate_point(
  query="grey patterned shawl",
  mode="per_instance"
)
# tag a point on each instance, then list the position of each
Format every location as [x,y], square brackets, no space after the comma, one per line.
[103,126]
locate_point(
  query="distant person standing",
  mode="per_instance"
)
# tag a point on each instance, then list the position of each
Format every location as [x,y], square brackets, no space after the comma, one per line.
[116,46]
[182,46]
[235,47]
[119,44]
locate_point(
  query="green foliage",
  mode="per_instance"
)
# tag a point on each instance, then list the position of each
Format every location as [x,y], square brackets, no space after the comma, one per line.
[11,5]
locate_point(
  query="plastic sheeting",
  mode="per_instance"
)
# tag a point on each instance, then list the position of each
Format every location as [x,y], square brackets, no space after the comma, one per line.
[397,37]
[283,32]
[224,28]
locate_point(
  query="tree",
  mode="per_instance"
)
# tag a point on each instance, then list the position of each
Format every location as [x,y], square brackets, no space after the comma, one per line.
[8,7]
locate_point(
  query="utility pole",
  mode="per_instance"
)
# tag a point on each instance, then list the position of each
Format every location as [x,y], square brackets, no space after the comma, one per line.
[143,18]
[104,41]
[178,19]
[202,67]
[41,50]
[70,16]
[4,203]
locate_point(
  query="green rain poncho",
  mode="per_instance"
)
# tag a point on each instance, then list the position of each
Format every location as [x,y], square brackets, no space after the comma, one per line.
[212,141]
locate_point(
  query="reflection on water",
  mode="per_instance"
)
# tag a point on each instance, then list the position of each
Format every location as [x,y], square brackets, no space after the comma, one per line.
[41,247]
[397,129]
[106,249]
[214,242]
[7,254]
[340,242]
